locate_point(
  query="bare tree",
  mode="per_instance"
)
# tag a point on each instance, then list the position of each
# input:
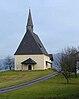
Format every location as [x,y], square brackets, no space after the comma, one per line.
[9,62]
[67,62]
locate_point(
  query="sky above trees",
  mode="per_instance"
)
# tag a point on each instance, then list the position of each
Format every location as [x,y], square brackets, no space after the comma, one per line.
[55,21]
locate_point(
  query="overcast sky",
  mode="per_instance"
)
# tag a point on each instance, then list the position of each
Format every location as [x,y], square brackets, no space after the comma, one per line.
[55,21]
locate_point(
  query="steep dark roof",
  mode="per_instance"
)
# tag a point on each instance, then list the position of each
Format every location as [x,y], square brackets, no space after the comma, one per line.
[29,21]
[28,61]
[30,44]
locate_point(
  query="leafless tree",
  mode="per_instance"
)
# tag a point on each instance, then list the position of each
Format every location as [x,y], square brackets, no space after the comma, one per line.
[67,62]
[9,62]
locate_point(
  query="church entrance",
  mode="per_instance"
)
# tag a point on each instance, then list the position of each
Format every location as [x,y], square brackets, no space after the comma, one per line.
[29,67]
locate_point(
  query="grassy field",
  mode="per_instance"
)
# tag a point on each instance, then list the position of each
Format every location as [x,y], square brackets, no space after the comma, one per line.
[10,78]
[55,88]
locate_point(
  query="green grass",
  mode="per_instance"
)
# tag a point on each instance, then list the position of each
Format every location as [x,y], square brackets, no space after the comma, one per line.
[55,88]
[10,78]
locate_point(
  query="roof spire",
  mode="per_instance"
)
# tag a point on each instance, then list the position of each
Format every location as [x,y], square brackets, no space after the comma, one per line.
[29,22]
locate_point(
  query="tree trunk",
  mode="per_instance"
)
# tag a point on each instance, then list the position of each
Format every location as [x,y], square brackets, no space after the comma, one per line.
[10,68]
[75,72]
[67,80]
[65,75]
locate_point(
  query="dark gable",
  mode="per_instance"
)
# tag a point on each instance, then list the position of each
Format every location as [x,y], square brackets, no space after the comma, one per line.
[30,44]
[29,61]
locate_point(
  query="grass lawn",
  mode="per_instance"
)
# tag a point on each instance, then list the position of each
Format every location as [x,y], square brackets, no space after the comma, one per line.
[10,78]
[55,88]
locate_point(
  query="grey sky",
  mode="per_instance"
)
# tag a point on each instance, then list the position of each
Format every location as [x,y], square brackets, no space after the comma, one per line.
[55,21]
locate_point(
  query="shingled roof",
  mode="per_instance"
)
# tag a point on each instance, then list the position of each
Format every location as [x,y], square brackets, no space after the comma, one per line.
[30,44]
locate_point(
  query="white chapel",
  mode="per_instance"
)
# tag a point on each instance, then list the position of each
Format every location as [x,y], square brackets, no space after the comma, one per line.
[31,54]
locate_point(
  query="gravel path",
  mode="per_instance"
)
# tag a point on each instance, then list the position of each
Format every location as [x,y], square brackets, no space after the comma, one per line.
[2,90]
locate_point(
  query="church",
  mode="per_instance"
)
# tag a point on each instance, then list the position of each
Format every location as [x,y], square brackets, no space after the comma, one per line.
[31,54]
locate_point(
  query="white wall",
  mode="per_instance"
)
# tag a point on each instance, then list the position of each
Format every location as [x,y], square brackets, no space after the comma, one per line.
[39,59]
[46,58]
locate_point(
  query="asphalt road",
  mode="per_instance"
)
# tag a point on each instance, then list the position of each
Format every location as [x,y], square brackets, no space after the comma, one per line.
[2,90]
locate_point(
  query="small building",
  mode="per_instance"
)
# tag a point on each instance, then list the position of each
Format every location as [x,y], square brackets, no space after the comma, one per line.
[31,54]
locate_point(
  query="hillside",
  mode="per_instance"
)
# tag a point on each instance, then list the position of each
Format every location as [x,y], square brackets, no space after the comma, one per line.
[9,78]
[55,88]
[55,58]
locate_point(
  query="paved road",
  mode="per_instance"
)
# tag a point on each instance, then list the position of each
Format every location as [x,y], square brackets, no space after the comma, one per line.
[2,90]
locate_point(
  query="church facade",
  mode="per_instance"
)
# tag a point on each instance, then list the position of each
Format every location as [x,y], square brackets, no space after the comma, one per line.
[31,54]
